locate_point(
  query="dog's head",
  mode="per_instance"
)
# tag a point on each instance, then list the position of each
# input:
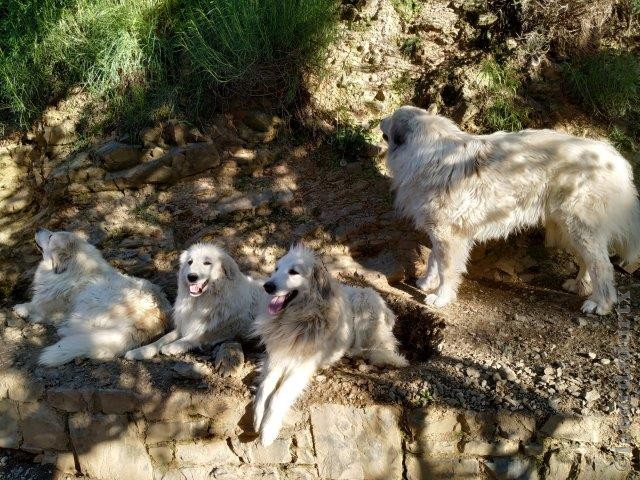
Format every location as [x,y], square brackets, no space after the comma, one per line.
[298,275]
[58,248]
[203,265]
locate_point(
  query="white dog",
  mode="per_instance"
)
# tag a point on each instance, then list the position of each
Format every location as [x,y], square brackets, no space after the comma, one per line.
[464,188]
[216,302]
[312,321]
[100,312]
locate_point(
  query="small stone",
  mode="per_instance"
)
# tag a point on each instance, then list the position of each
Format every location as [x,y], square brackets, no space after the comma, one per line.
[581,321]
[605,361]
[591,355]
[591,396]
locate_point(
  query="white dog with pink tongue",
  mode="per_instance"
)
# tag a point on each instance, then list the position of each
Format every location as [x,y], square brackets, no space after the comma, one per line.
[313,321]
[216,303]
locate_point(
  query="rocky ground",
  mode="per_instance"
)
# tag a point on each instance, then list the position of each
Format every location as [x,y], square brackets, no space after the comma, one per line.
[252,182]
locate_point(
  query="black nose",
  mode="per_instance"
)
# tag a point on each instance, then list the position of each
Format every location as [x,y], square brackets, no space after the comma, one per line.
[192,277]
[384,137]
[269,287]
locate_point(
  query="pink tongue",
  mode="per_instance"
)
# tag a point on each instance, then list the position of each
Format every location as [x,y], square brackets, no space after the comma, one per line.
[194,288]
[276,304]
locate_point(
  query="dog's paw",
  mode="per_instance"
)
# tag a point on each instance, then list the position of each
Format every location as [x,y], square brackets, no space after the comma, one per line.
[439,300]
[427,283]
[589,306]
[268,433]
[21,310]
[173,349]
[229,359]
[142,353]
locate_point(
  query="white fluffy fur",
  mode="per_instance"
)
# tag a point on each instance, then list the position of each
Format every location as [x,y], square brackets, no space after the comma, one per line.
[100,312]
[225,310]
[323,321]
[463,188]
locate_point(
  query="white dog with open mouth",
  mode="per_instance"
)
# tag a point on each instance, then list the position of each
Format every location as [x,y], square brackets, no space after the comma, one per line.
[462,188]
[100,312]
[312,321]
[216,303]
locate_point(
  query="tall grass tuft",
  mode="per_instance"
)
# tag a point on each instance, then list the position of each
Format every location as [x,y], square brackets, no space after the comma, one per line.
[607,82]
[157,54]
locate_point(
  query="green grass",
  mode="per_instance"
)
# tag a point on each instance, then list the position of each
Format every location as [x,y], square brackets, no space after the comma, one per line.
[151,58]
[410,45]
[503,109]
[349,141]
[407,9]
[621,140]
[607,82]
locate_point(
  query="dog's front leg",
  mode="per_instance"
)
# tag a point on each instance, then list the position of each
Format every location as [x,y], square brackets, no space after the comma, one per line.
[271,375]
[430,279]
[295,381]
[451,254]
[151,350]
[28,311]
[182,345]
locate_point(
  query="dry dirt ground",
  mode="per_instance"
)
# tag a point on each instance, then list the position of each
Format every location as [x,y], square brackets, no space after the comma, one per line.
[513,340]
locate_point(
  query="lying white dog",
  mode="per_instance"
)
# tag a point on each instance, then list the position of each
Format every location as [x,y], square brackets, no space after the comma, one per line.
[216,302]
[312,321]
[100,312]
[464,188]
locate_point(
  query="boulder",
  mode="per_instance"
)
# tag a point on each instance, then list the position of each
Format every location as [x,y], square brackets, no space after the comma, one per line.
[10,436]
[195,158]
[42,427]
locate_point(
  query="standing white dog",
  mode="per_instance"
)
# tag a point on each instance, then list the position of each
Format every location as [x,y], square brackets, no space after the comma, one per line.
[101,312]
[312,321]
[216,302]
[464,188]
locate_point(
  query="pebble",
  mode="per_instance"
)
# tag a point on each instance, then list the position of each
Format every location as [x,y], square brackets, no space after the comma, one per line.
[605,361]
[581,321]
[591,396]
[591,355]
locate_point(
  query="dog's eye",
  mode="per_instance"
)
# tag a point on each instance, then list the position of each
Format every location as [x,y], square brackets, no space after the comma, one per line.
[207,263]
[293,272]
[189,262]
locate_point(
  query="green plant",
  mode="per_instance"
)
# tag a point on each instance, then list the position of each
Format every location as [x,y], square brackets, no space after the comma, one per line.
[410,45]
[503,109]
[349,141]
[621,140]
[424,398]
[407,9]
[607,82]
[403,85]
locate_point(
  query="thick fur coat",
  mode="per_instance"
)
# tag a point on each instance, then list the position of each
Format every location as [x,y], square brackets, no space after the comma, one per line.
[312,321]
[462,188]
[100,312]
[216,302]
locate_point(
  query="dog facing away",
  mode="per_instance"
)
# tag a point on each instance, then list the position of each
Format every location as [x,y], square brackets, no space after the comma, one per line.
[216,303]
[311,322]
[462,188]
[100,312]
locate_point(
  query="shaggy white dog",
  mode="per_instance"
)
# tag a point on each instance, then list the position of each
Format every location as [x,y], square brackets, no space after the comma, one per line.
[216,302]
[312,321]
[100,312]
[463,188]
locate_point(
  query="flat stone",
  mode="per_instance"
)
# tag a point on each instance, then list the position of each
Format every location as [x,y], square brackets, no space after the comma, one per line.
[305,453]
[253,452]
[19,387]
[515,426]
[433,421]
[354,443]
[576,429]
[212,452]
[10,435]
[70,399]
[115,400]
[114,156]
[596,466]
[42,427]
[63,133]
[488,449]
[175,404]
[161,455]
[194,158]
[179,430]
[229,416]
[246,472]
[419,468]
[559,465]
[512,468]
[154,172]
[109,447]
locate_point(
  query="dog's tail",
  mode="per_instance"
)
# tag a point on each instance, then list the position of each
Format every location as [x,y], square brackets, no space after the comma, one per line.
[99,345]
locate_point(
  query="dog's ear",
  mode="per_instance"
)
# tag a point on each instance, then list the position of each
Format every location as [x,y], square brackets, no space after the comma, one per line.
[399,131]
[60,253]
[183,257]
[229,267]
[321,280]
